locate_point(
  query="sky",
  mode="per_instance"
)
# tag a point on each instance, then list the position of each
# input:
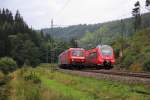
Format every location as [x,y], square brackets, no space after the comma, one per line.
[38,13]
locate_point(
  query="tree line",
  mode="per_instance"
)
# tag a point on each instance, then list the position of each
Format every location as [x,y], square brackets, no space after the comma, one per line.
[136,12]
[25,45]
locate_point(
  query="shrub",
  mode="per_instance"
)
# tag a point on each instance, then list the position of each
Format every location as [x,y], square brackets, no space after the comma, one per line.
[136,67]
[7,65]
[52,67]
[128,60]
[33,77]
[1,75]
[146,65]
[116,51]
[129,57]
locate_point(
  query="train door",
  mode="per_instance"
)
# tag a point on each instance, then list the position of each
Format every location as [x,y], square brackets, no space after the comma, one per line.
[93,57]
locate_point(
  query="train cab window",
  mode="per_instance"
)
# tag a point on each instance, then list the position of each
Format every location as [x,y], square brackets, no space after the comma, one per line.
[106,51]
[79,53]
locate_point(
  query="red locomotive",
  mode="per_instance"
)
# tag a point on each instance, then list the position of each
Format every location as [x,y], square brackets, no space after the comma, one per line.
[102,55]
[72,57]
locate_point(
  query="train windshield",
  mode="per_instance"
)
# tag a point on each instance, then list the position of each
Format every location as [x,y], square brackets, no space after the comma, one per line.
[78,53]
[106,51]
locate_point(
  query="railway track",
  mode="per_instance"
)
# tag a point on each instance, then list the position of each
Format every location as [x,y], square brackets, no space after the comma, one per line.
[121,73]
[113,75]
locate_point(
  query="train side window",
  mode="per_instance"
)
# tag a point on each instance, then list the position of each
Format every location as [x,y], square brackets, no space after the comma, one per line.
[93,55]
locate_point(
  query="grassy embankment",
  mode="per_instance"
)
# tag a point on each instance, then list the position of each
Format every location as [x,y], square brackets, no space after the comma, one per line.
[44,83]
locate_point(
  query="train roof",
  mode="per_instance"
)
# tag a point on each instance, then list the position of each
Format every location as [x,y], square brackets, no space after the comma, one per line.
[71,49]
[103,46]
[76,48]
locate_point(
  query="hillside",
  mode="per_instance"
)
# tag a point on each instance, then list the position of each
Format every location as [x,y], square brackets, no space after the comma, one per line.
[75,31]
[108,30]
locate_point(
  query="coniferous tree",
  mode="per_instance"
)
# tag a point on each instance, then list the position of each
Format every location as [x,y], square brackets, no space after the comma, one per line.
[22,43]
[137,15]
[147,4]
[73,43]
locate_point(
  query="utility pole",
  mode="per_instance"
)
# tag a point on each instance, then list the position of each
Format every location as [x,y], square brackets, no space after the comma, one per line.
[122,39]
[101,38]
[52,50]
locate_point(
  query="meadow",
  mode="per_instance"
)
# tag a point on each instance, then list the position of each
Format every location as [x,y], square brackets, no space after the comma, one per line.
[46,83]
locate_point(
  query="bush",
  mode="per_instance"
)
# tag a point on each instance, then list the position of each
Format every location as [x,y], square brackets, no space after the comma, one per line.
[116,51]
[7,65]
[128,60]
[52,67]
[136,67]
[146,65]
[33,77]
[1,75]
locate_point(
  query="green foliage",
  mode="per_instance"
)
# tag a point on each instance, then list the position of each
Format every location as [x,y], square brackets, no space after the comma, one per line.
[51,67]
[1,75]
[47,65]
[146,65]
[33,77]
[62,86]
[107,33]
[137,15]
[110,31]
[25,45]
[116,51]
[7,65]
[74,31]
[129,58]
[136,50]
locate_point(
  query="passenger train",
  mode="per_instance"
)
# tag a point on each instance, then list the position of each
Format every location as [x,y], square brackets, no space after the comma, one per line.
[72,57]
[100,57]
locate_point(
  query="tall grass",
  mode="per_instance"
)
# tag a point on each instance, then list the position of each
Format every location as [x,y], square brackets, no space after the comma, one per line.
[53,85]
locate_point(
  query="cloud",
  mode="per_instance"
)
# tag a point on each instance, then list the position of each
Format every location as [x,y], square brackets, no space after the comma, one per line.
[38,13]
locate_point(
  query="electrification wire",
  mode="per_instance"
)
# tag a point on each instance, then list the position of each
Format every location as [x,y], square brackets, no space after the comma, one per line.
[62,9]
[59,12]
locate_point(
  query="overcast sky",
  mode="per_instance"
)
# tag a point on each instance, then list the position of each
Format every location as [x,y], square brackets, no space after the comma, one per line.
[38,13]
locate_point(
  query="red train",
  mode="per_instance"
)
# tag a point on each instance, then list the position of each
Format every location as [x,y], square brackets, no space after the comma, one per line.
[72,57]
[102,57]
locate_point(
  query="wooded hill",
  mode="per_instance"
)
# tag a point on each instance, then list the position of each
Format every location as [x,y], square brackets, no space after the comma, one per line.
[107,31]
[74,31]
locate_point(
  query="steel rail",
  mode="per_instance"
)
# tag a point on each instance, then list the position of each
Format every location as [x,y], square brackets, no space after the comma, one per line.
[120,73]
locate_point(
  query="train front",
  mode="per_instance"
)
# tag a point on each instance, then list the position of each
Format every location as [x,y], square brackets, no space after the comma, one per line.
[107,56]
[77,56]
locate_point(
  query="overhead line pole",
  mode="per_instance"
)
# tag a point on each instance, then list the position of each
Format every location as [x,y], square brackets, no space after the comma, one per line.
[122,39]
[52,51]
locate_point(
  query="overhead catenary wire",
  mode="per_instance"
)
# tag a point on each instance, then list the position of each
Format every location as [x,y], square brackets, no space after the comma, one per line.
[62,9]
[65,5]
[59,12]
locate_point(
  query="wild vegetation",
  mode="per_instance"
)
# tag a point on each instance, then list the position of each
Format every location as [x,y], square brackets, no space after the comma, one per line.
[25,45]
[74,31]
[45,83]
[136,51]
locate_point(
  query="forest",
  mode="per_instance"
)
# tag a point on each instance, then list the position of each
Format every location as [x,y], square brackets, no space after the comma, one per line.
[25,45]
